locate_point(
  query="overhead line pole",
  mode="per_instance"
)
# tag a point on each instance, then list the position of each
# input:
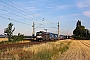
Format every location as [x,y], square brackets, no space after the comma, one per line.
[58,29]
[33,34]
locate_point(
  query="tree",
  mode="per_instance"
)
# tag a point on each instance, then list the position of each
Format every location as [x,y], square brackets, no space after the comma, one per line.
[78,23]
[80,32]
[9,31]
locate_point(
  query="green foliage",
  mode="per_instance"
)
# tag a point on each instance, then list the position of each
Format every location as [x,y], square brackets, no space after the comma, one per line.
[9,31]
[80,32]
[78,23]
[14,39]
[64,49]
[18,38]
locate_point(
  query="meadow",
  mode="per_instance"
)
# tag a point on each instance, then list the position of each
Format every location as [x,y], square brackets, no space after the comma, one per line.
[44,51]
[3,39]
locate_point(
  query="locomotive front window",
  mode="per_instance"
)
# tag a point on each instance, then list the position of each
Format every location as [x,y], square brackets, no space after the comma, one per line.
[39,34]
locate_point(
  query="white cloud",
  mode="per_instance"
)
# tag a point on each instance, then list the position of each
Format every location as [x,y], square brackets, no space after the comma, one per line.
[33,16]
[83,4]
[80,20]
[4,12]
[61,16]
[87,13]
[49,7]
[64,6]
[32,9]
[58,7]
[71,15]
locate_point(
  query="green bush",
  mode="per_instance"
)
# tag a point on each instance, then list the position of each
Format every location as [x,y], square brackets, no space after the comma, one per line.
[18,38]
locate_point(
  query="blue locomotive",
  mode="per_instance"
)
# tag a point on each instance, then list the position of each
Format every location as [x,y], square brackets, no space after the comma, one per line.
[43,36]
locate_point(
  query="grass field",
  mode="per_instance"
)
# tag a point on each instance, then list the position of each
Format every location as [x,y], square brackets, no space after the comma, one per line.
[59,50]
[6,39]
[44,51]
[3,39]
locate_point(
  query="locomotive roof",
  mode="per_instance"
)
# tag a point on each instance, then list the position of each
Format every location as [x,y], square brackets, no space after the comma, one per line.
[46,32]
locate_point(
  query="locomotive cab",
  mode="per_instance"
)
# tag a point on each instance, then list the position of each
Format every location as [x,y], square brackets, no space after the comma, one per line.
[39,36]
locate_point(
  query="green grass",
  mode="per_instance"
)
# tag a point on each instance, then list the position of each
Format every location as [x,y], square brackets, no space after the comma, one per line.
[63,49]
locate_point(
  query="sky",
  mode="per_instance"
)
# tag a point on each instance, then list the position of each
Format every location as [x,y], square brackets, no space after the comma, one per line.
[45,14]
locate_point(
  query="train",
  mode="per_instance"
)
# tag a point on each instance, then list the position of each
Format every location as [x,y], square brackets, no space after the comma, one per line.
[3,36]
[43,36]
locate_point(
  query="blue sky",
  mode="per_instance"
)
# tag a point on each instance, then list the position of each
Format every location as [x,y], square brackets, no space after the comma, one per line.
[67,12]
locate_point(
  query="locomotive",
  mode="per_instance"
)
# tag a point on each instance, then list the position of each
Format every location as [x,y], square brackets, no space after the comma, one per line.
[43,36]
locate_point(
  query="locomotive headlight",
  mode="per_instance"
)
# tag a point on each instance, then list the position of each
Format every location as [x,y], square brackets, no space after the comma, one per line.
[39,37]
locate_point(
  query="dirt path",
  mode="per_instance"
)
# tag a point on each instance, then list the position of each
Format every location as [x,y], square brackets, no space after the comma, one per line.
[79,50]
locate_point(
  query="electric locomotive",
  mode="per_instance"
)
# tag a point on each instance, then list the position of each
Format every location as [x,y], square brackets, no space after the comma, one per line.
[42,36]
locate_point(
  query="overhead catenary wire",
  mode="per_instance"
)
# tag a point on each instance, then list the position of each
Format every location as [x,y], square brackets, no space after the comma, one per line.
[24,10]
[14,20]
[40,24]
[17,12]
[18,9]
[14,14]
[52,26]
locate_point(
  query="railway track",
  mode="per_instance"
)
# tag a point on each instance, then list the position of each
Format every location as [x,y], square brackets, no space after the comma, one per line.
[5,46]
